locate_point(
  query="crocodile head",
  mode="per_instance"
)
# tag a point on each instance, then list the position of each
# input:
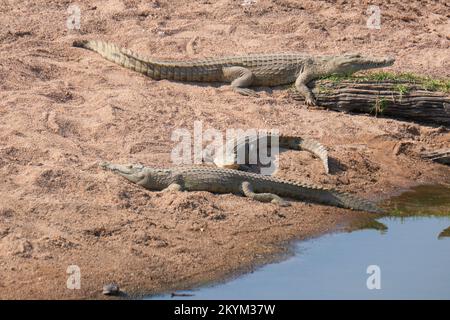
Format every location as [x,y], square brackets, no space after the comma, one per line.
[151,178]
[132,172]
[350,63]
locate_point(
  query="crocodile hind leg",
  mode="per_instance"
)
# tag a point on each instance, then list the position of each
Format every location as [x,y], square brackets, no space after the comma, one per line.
[241,78]
[247,190]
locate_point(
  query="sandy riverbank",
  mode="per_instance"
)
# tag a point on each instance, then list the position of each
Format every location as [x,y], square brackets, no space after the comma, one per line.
[63,109]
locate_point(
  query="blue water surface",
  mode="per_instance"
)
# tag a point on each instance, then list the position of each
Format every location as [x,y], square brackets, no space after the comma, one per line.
[413,264]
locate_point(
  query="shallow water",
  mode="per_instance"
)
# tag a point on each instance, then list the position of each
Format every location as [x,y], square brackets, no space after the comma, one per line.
[411,260]
[422,200]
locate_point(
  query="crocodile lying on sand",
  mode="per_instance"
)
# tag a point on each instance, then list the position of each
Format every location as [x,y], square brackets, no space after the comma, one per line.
[255,186]
[242,71]
[227,157]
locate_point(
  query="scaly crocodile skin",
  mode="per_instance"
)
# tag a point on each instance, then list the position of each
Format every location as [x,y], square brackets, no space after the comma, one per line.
[255,186]
[230,161]
[242,71]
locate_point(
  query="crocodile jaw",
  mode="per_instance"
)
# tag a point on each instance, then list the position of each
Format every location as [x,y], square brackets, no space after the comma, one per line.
[131,172]
[351,63]
[370,63]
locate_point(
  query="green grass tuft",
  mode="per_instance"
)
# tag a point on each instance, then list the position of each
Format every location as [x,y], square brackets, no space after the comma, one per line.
[425,82]
[379,107]
[402,88]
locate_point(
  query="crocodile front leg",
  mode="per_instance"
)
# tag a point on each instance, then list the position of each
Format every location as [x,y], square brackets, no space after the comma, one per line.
[247,190]
[241,78]
[301,85]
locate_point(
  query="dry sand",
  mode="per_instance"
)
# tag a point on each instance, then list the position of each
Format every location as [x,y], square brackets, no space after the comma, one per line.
[63,109]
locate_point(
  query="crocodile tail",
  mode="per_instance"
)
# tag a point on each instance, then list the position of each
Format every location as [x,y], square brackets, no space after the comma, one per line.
[309,145]
[349,201]
[317,149]
[123,57]
[289,142]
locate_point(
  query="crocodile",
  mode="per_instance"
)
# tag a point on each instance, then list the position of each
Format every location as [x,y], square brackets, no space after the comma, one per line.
[252,185]
[242,71]
[227,157]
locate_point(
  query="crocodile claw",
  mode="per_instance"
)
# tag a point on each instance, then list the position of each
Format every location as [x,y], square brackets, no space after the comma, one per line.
[311,102]
[246,92]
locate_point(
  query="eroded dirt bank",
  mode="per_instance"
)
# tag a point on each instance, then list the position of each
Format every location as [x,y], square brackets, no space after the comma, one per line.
[63,109]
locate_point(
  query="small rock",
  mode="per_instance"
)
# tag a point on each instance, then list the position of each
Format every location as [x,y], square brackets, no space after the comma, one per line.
[111,289]
[401,148]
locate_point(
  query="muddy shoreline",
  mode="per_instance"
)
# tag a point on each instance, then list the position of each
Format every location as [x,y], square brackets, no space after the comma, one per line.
[64,109]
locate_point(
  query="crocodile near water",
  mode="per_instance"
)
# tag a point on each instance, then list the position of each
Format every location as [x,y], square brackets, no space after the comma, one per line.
[255,186]
[242,71]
